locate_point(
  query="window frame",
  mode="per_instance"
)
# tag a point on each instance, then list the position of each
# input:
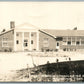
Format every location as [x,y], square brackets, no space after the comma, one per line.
[32,42]
[68,42]
[3,45]
[17,42]
[46,42]
[25,42]
[17,34]
[5,40]
[77,41]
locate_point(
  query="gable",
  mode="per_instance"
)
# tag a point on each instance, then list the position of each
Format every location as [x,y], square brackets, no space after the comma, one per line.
[26,26]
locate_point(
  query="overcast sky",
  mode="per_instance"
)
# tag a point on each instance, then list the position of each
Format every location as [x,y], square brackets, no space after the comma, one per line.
[56,15]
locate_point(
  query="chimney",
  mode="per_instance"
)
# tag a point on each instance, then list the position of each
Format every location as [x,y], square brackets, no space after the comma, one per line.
[12,24]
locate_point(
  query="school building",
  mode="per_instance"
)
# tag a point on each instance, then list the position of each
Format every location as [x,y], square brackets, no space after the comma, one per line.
[27,37]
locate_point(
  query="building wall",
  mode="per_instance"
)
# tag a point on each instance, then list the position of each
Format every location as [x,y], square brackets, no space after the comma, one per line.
[7,41]
[34,39]
[20,42]
[45,41]
[50,44]
[73,47]
[24,41]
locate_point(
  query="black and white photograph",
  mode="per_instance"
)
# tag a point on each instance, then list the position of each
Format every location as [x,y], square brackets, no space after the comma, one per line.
[41,41]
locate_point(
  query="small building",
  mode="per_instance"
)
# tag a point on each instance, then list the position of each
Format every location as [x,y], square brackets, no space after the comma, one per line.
[27,37]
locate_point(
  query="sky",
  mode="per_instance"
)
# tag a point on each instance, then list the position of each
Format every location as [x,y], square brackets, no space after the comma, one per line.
[48,15]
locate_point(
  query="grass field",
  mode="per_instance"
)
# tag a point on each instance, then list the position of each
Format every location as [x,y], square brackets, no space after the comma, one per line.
[19,60]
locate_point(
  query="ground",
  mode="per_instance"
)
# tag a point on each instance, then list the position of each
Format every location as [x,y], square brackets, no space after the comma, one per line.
[12,61]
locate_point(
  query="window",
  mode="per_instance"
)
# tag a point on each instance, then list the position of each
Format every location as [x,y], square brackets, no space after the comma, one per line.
[82,42]
[73,42]
[5,39]
[17,34]
[69,42]
[64,39]
[25,44]
[57,44]
[32,34]
[46,45]
[45,42]
[73,39]
[64,43]
[59,38]
[77,43]
[31,41]
[25,40]
[69,38]
[77,39]
[5,44]
[17,42]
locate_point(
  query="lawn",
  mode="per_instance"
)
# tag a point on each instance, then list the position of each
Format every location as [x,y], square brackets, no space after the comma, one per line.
[12,61]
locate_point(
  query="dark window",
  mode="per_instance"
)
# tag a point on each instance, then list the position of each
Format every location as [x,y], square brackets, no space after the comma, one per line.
[25,44]
[59,39]
[32,34]
[77,43]
[57,44]
[64,49]
[17,42]
[31,41]
[69,42]
[25,40]
[17,34]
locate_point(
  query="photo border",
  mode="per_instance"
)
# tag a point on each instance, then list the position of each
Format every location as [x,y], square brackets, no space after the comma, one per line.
[41,1]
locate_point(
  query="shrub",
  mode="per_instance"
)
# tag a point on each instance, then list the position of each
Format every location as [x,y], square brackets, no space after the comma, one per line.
[64,49]
[10,49]
[51,49]
[42,49]
[5,50]
[34,49]
[56,50]
[47,50]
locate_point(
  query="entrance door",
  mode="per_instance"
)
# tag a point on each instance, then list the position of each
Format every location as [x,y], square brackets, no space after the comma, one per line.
[26,44]
[57,45]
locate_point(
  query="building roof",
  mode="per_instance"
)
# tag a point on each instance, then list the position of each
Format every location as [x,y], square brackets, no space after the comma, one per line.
[56,33]
[6,31]
[47,33]
[21,26]
[51,32]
